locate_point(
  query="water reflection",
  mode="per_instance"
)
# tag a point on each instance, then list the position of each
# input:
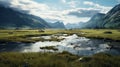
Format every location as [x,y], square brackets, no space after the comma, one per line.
[12,46]
[74,44]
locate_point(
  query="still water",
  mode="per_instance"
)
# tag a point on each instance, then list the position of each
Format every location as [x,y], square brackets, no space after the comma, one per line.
[73,44]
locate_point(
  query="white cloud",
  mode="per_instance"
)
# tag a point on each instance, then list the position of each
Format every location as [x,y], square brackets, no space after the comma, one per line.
[82,12]
[103,9]
[88,3]
[61,16]
[28,5]
[72,3]
[73,19]
[46,12]
[64,1]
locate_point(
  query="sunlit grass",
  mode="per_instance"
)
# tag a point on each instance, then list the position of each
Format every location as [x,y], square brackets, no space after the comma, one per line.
[22,35]
[99,33]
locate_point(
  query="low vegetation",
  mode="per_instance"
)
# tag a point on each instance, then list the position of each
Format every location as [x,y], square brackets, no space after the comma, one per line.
[102,34]
[24,35]
[63,59]
[108,32]
[49,48]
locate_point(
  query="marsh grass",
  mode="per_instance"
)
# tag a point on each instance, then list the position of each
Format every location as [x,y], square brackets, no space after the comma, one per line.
[99,33]
[63,59]
[49,48]
[23,35]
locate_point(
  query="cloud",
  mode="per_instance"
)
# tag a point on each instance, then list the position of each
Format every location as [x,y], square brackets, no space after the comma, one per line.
[72,3]
[73,19]
[42,10]
[26,5]
[103,9]
[73,14]
[83,12]
[90,3]
[64,1]
[32,7]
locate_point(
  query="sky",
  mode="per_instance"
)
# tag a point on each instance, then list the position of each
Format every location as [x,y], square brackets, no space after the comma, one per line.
[67,11]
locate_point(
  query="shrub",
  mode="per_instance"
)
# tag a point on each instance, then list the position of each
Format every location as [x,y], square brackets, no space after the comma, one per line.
[108,32]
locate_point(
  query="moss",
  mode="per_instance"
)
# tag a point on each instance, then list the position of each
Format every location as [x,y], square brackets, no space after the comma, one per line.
[49,48]
[108,32]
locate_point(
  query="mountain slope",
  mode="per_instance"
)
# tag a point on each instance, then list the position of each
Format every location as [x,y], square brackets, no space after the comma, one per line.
[112,18]
[58,25]
[75,25]
[12,19]
[95,21]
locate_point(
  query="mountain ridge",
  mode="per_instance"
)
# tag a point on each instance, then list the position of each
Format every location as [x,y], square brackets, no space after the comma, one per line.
[110,20]
[58,25]
[11,19]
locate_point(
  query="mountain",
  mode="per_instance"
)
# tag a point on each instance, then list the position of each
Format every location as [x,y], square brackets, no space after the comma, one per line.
[95,21]
[58,25]
[112,18]
[74,25]
[71,25]
[12,19]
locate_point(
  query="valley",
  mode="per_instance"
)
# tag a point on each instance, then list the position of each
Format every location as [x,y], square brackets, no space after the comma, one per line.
[59,33]
[78,47]
[59,46]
